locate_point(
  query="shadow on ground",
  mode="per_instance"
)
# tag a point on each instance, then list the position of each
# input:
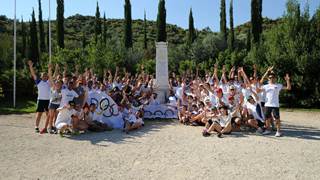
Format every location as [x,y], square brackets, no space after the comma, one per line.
[118,137]
[301,132]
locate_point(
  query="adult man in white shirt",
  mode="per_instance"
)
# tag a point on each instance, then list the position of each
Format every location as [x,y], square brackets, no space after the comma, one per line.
[272,91]
[43,99]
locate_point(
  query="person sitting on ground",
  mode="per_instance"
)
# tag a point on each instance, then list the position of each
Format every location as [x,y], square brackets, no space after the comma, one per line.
[67,114]
[93,119]
[134,121]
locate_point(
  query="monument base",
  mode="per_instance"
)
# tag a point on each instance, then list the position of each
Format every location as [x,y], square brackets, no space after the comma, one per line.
[162,95]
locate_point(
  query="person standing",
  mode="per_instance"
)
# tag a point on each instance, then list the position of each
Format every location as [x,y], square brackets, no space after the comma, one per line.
[272,91]
[43,86]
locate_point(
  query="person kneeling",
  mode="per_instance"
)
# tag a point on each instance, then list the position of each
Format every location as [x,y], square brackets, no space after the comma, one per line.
[67,115]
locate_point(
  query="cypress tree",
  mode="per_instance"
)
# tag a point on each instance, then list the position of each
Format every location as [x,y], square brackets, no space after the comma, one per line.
[127,24]
[256,20]
[192,32]
[223,21]
[34,48]
[60,23]
[161,22]
[41,30]
[98,28]
[260,17]
[24,39]
[104,29]
[231,32]
[145,39]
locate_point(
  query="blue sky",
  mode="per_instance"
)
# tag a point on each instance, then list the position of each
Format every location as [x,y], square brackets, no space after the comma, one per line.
[206,12]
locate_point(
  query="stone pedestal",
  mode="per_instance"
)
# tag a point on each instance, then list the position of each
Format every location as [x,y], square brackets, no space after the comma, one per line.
[162,75]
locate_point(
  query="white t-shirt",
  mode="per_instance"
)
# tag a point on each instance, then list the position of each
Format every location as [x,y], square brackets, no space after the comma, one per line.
[94,116]
[272,92]
[223,120]
[43,89]
[67,95]
[64,116]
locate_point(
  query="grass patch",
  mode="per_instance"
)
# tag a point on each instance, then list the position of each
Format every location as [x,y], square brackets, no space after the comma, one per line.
[22,107]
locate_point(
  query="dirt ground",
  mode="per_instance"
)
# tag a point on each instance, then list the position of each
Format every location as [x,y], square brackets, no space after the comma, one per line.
[161,150]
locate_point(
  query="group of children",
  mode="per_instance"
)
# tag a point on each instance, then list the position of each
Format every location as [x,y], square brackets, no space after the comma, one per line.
[221,105]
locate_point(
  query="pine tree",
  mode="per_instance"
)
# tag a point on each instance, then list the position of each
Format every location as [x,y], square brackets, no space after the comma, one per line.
[231,32]
[256,20]
[127,24]
[24,39]
[34,48]
[161,22]
[60,23]
[223,21]
[145,39]
[41,30]
[98,28]
[105,29]
[192,32]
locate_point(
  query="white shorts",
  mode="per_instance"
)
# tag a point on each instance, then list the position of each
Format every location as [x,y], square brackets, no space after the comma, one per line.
[60,125]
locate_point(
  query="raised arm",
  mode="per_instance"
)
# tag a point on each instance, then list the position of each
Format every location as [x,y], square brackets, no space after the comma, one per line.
[231,73]
[223,76]
[287,78]
[56,71]
[116,74]
[65,68]
[255,72]
[50,74]
[265,74]
[33,74]
[245,77]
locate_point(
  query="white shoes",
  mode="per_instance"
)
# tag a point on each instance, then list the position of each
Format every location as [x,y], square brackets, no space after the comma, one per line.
[266,132]
[278,134]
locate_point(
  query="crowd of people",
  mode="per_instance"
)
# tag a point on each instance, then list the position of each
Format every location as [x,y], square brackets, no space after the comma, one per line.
[231,102]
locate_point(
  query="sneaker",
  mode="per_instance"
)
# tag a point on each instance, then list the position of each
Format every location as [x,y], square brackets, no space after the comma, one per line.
[36,130]
[43,131]
[50,130]
[220,135]
[61,133]
[278,134]
[266,132]
[259,131]
[205,133]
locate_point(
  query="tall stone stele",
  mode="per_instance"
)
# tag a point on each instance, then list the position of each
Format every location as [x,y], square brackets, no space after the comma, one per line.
[162,75]
[162,81]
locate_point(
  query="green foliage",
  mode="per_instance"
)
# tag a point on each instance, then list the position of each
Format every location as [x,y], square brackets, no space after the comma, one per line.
[192,31]
[231,32]
[60,23]
[161,22]
[127,25]
[33,45]
[256,20]
[223,20]
[98,23]
[41,30]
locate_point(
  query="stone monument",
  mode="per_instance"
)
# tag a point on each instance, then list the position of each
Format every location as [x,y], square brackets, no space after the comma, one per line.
[162,75]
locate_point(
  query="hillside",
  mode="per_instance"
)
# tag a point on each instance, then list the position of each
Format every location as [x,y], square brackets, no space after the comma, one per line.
[76,25]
